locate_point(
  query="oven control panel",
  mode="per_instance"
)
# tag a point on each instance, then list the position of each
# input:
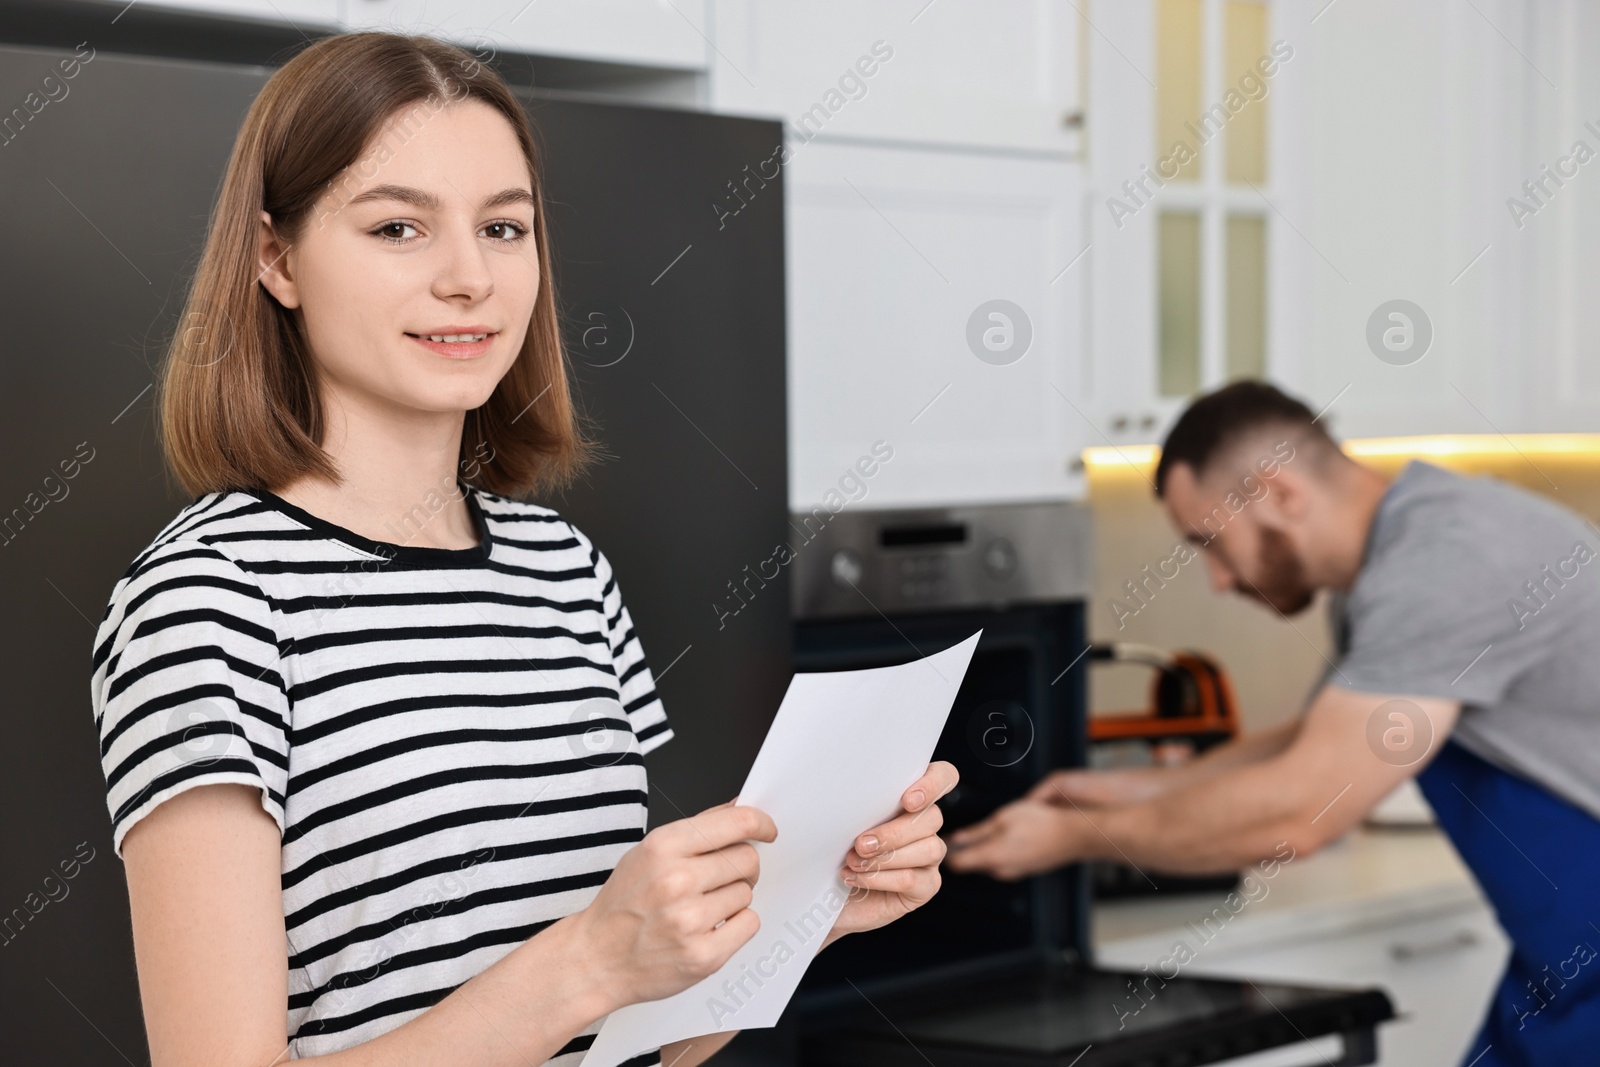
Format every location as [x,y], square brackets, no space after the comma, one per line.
[871,562]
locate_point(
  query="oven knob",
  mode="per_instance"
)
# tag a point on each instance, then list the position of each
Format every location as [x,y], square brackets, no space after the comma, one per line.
[846,568]
[1000,558]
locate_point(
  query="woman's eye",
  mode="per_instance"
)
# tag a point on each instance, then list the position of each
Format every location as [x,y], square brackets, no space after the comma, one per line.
[507,231]
[387,231]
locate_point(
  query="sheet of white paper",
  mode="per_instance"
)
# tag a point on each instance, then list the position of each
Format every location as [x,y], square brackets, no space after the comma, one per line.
[843,748]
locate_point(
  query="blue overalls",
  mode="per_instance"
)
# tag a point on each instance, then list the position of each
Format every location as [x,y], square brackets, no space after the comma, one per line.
[1537,858]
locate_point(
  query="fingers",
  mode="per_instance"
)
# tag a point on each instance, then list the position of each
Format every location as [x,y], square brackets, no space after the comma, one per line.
[917,883]
[921,816]
[720,905]
[1064,788]
[716,828]
[983,855]
[737,864]
[968,836]
[1051,786]
[981,845]
[899,832]
[909,826]
[723,941]
[936,781]
[924,852]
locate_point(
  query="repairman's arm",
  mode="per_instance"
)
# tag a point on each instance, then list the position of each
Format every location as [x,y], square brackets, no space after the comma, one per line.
[1351,750]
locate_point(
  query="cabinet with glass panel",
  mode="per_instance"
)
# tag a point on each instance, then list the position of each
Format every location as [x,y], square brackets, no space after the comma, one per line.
[1268,181]
[1184,180]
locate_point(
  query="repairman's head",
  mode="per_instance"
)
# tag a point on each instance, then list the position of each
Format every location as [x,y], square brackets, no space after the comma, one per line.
[1249,475]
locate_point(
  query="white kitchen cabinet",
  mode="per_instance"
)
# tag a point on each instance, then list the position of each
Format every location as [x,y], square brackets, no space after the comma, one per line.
[1393,135]
[1550,240]
[1410,110]
[306,14]
[1439,969]
[890,254]
[650,33]
[1137,180]
[990,74]
[1120,136]
[1385,907]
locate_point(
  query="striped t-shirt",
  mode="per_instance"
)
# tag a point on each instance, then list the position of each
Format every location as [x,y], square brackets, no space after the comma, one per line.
[450,740]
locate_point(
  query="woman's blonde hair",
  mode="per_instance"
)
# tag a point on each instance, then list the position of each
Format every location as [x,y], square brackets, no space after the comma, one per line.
[238,400]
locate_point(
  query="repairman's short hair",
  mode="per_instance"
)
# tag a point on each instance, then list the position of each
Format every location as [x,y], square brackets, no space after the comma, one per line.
[1214,423]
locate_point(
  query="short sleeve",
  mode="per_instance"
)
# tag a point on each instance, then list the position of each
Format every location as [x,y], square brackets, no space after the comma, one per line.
[638,688]
[186,685]
[1435,623]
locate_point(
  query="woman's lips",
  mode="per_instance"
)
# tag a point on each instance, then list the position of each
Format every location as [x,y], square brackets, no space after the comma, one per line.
[455,349]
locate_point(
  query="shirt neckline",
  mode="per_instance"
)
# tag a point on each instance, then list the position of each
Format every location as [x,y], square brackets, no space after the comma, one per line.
[1386,504]
[389,550]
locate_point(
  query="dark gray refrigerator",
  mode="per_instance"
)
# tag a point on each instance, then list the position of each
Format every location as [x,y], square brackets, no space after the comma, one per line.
[104,196]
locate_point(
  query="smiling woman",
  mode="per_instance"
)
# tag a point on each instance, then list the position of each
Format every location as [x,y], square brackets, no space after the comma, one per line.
[301,174]
[385,801]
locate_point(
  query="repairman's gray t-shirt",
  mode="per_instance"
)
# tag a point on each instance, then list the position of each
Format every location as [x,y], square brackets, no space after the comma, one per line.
[1480,591]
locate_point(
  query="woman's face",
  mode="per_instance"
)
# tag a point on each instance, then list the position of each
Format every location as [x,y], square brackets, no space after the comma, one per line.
[429,233]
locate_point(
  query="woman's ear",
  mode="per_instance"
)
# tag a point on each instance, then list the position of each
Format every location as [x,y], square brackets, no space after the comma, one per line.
[271,258]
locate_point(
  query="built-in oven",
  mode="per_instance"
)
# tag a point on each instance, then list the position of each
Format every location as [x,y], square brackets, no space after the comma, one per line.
[991,972]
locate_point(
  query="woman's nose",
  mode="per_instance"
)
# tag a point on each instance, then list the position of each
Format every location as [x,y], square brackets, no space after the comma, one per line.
[464,270]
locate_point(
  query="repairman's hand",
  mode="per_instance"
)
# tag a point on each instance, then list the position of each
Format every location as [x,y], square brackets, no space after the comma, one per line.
[1023,838]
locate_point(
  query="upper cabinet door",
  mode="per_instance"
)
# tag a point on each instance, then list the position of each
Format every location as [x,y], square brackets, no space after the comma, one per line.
[1547,221]
[651,33]
[1197,268]
[1398,221]
[1000,74]
[936,305]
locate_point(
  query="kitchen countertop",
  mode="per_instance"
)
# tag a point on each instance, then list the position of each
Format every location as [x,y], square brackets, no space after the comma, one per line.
[1371,875]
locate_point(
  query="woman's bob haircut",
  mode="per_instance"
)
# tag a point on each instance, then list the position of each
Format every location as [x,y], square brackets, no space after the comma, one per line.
[239,400]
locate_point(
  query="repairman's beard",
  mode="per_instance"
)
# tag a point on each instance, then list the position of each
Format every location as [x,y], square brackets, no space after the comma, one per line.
[1282,584]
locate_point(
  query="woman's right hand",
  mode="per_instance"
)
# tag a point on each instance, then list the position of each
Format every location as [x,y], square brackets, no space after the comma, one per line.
[677,905]
[1102,789]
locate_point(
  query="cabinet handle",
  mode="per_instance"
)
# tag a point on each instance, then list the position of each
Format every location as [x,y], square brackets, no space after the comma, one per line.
[1402,950]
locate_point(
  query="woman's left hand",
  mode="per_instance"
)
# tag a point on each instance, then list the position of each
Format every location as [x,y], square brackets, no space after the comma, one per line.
[894,868]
